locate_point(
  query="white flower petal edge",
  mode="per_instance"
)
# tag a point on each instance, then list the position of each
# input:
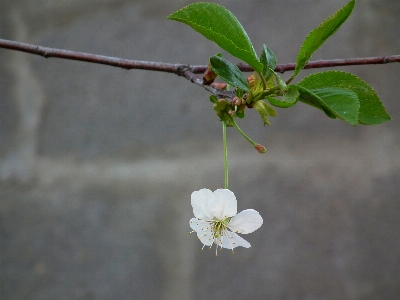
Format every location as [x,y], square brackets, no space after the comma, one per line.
[223,204]
[231,240]
[199,203]
[246,221]
[216,220]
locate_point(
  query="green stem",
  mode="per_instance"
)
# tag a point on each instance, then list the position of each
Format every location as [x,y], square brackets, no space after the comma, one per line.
[242,133]
[263,81]
[225,153]
[263,94]
[289,80]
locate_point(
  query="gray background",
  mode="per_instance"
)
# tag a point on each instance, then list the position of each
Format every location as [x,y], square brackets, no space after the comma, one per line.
[98,163]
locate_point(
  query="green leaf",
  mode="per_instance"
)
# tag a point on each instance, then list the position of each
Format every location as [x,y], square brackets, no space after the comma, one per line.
[307,97]
[239,93]
[219,25]
[213,99]
[240,114]
[335,102]
[288,99]
[264,110]
[282,84]
[371,110]
[229,72]
[343,102]
[268,60]
[270,110]
[320,34]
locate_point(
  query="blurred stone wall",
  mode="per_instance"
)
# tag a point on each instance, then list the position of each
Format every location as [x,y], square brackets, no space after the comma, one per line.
[97,164]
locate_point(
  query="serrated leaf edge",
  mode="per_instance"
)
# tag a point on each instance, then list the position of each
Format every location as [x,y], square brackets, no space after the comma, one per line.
[300,67]
[361,111]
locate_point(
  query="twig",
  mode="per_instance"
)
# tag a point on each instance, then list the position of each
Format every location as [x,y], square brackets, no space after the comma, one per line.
[341,62]
[186,71]
[88,57]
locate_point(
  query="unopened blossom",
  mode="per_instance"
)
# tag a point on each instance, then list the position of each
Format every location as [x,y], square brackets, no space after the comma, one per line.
[217,222]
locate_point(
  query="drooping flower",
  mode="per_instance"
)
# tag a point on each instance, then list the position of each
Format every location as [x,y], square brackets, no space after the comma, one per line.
[216,219]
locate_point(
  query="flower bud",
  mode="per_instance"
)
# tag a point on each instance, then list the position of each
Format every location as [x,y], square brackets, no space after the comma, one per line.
[251,79]
[260,148]
[222,101]
[219,85]
[236,101]
[209,76]
[220,105]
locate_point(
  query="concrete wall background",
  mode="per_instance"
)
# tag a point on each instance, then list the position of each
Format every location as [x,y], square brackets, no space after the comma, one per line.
[97,164]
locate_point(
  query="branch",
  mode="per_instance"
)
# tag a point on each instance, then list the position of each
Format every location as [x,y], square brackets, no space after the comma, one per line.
[186,71]
[93,58]
[282,68]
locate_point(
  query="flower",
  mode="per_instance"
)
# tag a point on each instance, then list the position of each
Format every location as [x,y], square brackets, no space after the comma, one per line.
[216,219]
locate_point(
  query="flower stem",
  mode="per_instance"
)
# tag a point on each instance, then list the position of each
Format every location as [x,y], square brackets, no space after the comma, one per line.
[242,133]
[225,153]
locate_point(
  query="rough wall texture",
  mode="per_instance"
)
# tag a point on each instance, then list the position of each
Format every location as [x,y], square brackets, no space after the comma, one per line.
[97,164]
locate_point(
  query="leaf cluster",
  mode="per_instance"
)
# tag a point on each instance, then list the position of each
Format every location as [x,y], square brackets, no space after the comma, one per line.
[338,94]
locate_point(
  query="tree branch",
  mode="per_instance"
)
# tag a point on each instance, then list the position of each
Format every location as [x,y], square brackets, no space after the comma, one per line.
[186,71]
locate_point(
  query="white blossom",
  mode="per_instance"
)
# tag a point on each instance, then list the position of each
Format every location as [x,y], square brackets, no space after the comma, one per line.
[216,219]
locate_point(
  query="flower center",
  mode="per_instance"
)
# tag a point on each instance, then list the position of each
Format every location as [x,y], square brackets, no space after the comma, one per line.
[219,227]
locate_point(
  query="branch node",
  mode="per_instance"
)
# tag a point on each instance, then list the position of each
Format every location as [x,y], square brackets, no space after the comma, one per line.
[180,70]
[386,60]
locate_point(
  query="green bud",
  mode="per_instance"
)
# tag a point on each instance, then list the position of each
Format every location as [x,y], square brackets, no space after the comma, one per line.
[220,105]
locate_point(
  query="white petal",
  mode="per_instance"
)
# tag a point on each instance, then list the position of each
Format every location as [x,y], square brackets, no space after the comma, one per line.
[223,204]
[203,230]
[246,221]
[231,240]
[199,201]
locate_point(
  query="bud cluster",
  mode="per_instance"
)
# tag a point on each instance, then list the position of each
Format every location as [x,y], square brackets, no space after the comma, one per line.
[227,110]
